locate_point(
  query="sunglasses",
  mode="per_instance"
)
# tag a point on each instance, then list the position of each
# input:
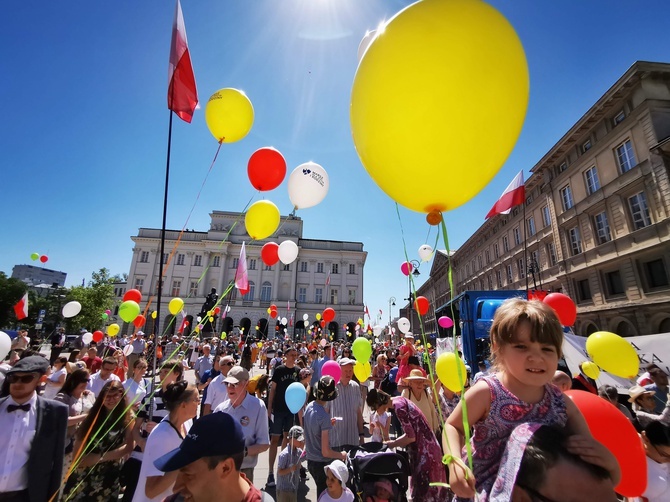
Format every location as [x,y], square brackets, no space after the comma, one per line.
[13,378]
[234,385]
[227,364]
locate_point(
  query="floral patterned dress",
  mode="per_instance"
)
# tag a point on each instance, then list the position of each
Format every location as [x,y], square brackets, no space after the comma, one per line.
[100,482]
[425,454]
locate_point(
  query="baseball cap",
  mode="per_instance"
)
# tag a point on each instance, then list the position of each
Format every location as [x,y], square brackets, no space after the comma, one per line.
[30,364]
[236,374]
[214,435]
[345,361]
[140,333]
[339,470]
[296,432]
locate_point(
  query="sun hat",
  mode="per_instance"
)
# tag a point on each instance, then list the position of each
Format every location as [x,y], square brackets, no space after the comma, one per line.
[385,484]
[409,335]
[339,470]
[636,391]
[416,374]
[325,390]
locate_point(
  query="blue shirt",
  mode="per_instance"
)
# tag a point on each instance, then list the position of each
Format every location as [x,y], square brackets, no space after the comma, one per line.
[317,365]
[660,398]
[287,458]
[252,415]
[316,420]
[212,373]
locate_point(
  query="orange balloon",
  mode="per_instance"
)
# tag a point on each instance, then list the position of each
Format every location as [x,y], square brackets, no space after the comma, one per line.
[421,304]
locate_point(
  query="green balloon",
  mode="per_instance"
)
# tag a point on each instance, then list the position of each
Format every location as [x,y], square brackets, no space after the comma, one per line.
[361,349]
[34,256]
[129,310]
[104,315]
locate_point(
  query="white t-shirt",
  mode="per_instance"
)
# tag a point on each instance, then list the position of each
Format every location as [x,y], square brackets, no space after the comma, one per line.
[163,439]
[50,391]
[379,421]
[96,383]
[135,392]
[658,484]
[347,496]
[217,392]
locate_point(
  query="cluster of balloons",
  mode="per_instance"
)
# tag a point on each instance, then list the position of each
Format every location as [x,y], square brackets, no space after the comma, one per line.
[273,311]
[129,310]
[36,256]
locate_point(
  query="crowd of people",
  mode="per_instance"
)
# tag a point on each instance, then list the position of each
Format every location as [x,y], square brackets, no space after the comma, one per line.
[100,426]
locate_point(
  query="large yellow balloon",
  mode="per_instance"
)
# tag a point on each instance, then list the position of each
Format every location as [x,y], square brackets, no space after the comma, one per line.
[613,354]
[262,219]
[362,371]
[439,98]
[447,369]
[175,306]
[229,115]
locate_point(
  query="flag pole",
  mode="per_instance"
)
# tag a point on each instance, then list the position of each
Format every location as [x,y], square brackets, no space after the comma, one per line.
[525,247]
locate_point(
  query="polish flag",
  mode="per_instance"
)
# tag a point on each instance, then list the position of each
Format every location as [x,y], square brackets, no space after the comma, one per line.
[242,276]
[182,92]
[328,279]
[21,308]
[367,312]
[514,195]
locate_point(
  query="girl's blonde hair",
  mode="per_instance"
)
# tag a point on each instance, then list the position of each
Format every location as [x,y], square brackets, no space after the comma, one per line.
[544,325]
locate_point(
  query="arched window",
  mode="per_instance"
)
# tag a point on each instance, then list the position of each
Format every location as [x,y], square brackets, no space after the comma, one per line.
[664,326]
[266,292]
[252,292]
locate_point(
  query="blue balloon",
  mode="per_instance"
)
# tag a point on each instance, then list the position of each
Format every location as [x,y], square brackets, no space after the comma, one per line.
[295,397]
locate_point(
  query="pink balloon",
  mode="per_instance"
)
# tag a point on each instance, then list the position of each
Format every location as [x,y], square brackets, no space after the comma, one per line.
[406,268]
[445,322]
[331,368]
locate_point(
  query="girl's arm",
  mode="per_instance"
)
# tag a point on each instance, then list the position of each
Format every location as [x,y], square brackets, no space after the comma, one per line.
[385,429]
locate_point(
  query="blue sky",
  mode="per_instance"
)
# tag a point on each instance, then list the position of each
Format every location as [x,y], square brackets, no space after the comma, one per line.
[83,140]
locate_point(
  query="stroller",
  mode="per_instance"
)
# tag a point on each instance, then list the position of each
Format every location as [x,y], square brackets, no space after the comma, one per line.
[371,462]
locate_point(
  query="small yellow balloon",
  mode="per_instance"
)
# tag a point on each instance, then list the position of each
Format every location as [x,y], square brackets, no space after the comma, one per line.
[154,314]
[451,371]
[442,75]
[262,219]
[229,115]
[211,319]
[175,306]
[591,370]
[613,354]
[259,345]
[318,317]
[113,329]
[223,336]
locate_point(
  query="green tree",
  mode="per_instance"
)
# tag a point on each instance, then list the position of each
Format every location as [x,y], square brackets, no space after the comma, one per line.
[95,298]
[11,291]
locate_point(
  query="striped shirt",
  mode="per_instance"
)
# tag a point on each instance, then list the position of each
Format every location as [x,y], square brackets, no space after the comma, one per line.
[347,405]
[287,458]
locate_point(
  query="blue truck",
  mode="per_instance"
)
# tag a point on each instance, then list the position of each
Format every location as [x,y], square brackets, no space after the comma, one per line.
[472,313]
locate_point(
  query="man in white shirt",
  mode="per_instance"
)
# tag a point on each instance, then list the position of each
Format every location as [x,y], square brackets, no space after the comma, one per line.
[99,379]
[204,362]
[217,391]
[251,414]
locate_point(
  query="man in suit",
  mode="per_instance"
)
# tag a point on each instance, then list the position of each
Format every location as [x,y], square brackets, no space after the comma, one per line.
[32,443]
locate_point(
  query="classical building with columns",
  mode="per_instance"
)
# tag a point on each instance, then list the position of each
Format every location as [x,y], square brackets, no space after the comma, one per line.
[325,274]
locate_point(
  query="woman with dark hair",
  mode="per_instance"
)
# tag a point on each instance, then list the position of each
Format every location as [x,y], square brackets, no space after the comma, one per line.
[103,439]
[425,454]
[56,379]
[656,443]
[181,400]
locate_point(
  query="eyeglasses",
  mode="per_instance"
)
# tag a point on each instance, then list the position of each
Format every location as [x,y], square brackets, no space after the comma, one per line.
[227,364]
[535,496]
[14,378]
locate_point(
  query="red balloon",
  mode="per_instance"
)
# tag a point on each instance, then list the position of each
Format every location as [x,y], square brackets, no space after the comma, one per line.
[133,295]
[421,304]
[273,313]
[323,324]
[266,169]
[611,427]
[44,258]
[273,307]
[565,308]
[217,310]
[328,314]
[139,321]
[98,336]
[270,253]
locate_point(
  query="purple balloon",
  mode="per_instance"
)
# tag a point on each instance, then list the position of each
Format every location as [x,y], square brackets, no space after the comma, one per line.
[445,322]
[332,368]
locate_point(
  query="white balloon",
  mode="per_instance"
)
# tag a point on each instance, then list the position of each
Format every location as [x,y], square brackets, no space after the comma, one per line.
[377,330]
[425,252]
[403,324]
[305,317]
[288,252]
[71,309]
[5,345]
[365,43]
[307,186]
[128,349]
[284,321]
[87,338]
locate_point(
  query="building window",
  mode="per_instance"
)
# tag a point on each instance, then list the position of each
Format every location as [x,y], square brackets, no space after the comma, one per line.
[318,295]
[197,261]
[166,257]
[535,260]
[499,278]
[546,217]
[216,262]
[625,156]
[193,290]
[575,241]
[286,267]
[583,290]
[496,252]
[586,146]
[531,226]
[489,280]
[655,274]
[139,284]
[266,292]
[602,228]
[618,118]
[144,257]
[639,210]
[614,283]
[333,296]
[180,259]
[479,262]
[566,198]
[487,256]
[235,263]
[319,268]
[302,295]
[303,266]
[521,268]
[509,274]
[517,236]
[562,167]
[252,292]
[335,268]
[551,252]
[505,244]
[252,263]
[352,297]
[592,182]
[267,267]
[176,288]
[352,268]
[233,294]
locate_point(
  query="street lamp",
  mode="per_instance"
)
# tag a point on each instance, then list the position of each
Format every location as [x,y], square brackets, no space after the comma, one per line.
[391,304]
[415,272]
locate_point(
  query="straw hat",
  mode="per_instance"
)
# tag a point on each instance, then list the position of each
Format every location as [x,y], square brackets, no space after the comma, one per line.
[416,375]
[636,391]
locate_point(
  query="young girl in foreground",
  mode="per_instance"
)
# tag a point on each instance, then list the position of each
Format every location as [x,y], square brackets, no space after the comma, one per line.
[526,342]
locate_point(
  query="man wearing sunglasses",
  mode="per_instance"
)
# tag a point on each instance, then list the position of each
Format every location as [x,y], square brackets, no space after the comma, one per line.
[217,392]
[32,443]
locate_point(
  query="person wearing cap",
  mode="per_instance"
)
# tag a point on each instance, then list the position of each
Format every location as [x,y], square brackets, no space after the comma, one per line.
[348,405]
[217,390]
[318,427]
[209,460]
[288,466]
[32,443]
[644,406]
[383,491]
[204,362]
[337,476]
[250,413]
[417,392]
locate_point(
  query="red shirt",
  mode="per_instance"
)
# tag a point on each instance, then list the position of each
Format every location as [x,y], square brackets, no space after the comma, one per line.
[93,365]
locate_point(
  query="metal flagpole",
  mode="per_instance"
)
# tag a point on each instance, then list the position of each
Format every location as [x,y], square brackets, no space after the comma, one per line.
[525,248]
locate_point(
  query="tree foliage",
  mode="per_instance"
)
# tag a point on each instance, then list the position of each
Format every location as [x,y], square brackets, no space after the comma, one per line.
[95,298]
[11,291]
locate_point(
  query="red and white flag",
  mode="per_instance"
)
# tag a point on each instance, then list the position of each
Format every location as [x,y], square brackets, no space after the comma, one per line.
[241,275]
[21,308]
[514,195]
[182,92]
[367,312]
[328,279]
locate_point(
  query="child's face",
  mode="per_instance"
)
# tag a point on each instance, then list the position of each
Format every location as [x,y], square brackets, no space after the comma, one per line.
[530,363]
[333,484]
[383,493]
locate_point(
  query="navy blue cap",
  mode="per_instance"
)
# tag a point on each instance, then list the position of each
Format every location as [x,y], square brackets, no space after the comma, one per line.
[214,435]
